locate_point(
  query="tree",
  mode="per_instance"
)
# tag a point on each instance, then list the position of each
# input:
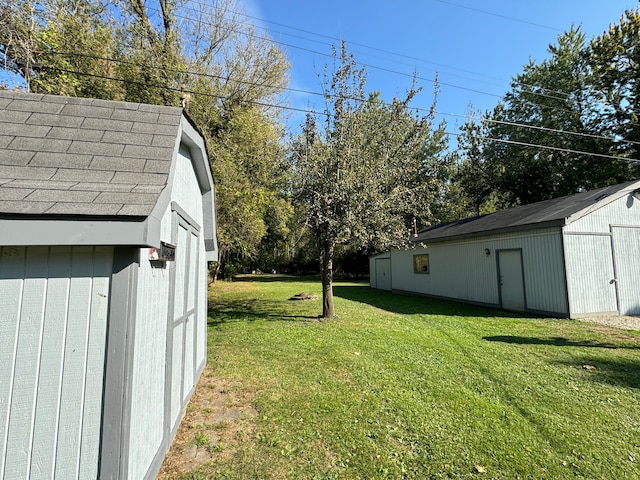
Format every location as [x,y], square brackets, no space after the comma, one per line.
[365,171]
[551,104]
[614,58]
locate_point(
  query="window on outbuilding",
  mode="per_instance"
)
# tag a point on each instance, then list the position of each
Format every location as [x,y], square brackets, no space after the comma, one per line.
[421,263]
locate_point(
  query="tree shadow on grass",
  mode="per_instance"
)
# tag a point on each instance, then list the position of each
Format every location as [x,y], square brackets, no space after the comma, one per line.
[250,310]
[617,372]
[413,304]
[556,341]
[264,278]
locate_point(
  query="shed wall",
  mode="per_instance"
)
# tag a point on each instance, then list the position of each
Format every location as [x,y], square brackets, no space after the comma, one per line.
[168,355]
[601,250]
[53,318]
[462,270]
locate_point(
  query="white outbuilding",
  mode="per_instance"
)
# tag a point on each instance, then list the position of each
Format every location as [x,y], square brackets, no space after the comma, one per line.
[568,257]
[106,226]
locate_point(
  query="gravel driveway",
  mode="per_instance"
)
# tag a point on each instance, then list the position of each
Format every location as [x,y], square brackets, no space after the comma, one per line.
[617,321]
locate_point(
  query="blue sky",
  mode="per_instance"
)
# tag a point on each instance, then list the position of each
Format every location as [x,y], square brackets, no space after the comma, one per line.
[476,47]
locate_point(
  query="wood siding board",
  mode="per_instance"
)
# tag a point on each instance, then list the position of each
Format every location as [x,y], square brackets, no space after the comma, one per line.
[122,304]
[25,377]
[201,302]
[75,353]
[176,373]
[11,286]
[181,264]
[189,359]
[95,361]
[51,362]
[149,384]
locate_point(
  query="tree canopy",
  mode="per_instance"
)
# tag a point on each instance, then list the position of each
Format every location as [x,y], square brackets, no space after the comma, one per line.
[364,168]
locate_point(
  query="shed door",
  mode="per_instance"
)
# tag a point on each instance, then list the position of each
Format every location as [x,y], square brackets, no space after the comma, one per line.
[626,257]
[511,280]
[183,332]
[383,273]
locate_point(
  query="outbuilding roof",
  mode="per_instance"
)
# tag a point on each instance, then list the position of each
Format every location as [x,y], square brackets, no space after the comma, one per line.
[554,212]
[80,171]
[79,156]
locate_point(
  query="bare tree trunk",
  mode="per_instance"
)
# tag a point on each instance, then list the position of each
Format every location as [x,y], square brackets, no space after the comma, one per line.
[213,273]
[326,272]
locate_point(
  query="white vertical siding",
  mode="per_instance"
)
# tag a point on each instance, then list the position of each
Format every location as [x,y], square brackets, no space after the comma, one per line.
[53,314]
[624,211]
[462,270]
[148,378]
[589,265]
[626,249]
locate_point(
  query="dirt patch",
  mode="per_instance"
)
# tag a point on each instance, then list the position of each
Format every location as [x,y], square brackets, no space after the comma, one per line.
[216,419]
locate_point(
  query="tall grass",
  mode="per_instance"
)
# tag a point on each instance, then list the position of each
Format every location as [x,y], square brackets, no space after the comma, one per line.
[406,387]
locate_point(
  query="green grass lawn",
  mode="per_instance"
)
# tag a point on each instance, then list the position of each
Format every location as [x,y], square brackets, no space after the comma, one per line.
[406,387]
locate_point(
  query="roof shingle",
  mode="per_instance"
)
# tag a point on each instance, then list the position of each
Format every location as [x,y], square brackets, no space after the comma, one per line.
[80,156]
[556,211]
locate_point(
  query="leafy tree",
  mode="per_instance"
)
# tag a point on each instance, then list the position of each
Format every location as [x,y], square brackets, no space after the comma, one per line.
[550,104]
[614,58]
[248,165]
[365,171]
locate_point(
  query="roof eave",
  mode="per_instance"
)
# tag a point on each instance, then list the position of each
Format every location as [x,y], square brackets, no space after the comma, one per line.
[485,233]
[111,231]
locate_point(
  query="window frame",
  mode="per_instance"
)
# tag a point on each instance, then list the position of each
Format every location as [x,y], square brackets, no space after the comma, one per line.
[417,262]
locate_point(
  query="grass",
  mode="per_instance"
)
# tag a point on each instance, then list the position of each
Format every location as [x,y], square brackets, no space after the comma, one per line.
[405,387]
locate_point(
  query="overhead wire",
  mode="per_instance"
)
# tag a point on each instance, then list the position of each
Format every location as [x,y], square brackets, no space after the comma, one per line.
[325,95]
[368,65]
[380,68]
[268,105]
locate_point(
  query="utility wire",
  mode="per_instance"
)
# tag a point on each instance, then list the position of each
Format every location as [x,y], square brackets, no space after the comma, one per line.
[451,85]
[324,95]
[264,104]
[499,15]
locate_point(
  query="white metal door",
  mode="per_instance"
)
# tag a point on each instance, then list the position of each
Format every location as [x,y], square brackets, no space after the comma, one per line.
[626,258]
[383,273]
[511,280]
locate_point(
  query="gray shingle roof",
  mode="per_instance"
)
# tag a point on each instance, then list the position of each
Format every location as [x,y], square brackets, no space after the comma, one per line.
[78,156]
[558,211]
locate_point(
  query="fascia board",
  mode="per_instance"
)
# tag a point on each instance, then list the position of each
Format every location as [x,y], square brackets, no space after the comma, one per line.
[190,137]
[130,232]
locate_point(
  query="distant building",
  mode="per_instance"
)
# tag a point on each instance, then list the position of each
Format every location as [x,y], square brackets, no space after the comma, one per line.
[569,257]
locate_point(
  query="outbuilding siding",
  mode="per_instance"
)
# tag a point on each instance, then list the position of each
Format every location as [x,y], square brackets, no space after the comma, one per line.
[590,273]
[462,270]
[53,317]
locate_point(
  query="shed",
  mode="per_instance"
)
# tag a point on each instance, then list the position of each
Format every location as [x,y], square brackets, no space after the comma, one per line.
[568,257]
[106,226]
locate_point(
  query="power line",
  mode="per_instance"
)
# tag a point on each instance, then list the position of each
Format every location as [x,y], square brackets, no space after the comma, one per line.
[324,95]
[451,85]
[549,147]
[499,15]
[268,105]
